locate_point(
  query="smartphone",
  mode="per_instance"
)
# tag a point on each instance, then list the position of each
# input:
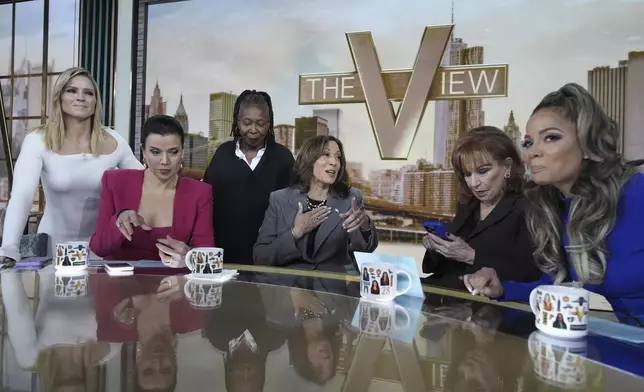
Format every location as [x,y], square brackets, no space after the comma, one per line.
[436,228]
[119,268]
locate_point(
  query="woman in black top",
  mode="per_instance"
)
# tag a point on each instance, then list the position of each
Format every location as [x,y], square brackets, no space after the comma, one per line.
[243,173]
[489,228]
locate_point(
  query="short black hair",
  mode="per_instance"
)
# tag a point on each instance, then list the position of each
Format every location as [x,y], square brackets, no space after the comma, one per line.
[248,98]
[161,124]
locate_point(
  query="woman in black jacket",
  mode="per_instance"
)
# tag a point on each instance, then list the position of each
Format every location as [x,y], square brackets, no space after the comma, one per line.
[489,227]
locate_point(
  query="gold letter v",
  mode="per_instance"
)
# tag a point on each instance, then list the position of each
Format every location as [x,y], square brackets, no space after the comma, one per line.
[395,133]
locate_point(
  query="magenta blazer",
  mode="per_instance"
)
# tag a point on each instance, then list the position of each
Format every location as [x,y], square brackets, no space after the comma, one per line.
[191,220]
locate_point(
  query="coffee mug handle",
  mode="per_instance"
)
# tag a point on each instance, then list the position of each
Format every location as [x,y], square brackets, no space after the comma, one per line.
[185,288]
[190,266]
[533,302]
[406,289]
[401,310]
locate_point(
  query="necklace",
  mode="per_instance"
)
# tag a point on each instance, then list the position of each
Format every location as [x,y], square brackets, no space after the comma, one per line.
[313,204]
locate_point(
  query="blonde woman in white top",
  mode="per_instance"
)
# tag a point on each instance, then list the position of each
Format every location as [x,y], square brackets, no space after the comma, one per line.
[69,153]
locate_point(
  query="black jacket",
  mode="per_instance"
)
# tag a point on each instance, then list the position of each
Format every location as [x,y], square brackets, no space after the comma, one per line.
[501,241]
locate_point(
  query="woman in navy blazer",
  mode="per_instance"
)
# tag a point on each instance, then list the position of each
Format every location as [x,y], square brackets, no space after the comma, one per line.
[154,214]
[584,207]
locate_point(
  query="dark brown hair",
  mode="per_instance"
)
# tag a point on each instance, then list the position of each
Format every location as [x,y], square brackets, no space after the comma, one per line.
[479,146]
[311,150]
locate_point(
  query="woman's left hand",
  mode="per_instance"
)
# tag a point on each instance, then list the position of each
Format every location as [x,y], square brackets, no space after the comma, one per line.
[355,218]
[172,252]
[454,249]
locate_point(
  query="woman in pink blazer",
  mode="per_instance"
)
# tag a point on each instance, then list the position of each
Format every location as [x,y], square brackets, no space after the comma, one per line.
[154,214]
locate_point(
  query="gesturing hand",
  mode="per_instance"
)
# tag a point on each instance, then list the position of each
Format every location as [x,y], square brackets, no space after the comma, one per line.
[128,220]
[454,249]
[355,218]
[172,252]
[306,221]
[484,282]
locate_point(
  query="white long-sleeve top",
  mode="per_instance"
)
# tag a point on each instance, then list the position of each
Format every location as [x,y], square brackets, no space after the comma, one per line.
[72,188]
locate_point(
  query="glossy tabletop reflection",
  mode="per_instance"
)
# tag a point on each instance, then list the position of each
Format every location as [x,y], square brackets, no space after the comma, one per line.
[277,331]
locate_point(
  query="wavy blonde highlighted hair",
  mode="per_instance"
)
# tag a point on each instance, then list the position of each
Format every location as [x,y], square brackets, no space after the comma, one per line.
[54,129]
[596,192]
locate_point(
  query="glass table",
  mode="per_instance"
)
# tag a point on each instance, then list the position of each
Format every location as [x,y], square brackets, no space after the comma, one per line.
[273,329]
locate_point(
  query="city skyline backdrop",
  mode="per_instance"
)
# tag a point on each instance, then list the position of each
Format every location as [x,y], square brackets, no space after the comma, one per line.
[308,40]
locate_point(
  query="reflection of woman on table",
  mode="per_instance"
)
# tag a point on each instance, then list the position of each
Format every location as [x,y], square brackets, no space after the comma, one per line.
[60,343]
[69,153]
[314,322]
[150,312]
[155,214]
[245,338]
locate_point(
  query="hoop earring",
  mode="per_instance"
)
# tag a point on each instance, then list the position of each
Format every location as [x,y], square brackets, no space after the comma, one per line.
[506,175]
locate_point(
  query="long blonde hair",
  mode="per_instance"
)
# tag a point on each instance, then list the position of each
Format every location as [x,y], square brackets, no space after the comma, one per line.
[54,129]
[596,192]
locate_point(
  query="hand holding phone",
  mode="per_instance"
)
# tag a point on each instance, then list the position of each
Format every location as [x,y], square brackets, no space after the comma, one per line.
[437,228]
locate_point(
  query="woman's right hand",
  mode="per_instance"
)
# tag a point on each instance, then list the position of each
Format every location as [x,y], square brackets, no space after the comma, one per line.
[484,282]
[306,221]
[128,220]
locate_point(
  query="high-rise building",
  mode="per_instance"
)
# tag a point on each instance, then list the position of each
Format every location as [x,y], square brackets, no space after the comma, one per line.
[431,189]
[157,105]
[195,154]
[442,118]
[307,127]
[220,121]
[27,101]
[285,135]
[512,130]
[333,118]
[608,86]
[473,115]
[182,116]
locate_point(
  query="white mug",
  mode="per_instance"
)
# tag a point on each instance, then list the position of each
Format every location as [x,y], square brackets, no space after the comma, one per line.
[205,261]
[379,281]
[559,362]
[71,255]
[560,311]
[379,319]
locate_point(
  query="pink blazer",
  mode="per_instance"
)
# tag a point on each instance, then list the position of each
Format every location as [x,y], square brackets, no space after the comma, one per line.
[191,220]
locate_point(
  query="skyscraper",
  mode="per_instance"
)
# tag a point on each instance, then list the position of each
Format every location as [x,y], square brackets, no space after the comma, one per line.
[608,86]
[512,130]
[333,118]
[220,121]
[473,113]
[182,116]
[307,127]
[285,135]
[157,103]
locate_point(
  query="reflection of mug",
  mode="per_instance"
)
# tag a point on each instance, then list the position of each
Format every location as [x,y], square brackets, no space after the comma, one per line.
[560,362]
[560,311]
[205,261]
[69,285]
[379,281]
[71,255]
[203,295]
[379,319]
